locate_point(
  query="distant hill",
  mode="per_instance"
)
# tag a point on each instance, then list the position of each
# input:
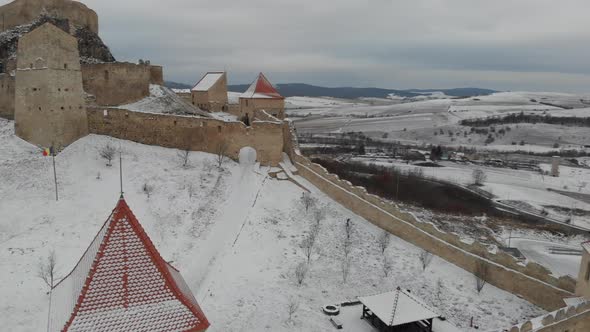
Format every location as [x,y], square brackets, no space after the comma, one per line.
[300,89]
[457,92]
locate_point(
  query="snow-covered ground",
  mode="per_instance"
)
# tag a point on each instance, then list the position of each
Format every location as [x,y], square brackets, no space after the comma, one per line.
[436,121]
[235,234]
[164,100]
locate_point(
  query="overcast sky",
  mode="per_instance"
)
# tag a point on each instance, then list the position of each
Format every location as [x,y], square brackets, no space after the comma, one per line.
[501,44]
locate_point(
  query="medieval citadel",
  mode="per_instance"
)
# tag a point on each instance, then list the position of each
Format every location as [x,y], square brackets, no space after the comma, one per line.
[59,82]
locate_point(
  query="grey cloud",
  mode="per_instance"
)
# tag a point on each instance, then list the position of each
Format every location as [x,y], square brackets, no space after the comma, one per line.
[504,44]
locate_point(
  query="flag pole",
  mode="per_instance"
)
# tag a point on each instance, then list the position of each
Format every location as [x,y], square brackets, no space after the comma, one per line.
[121,168]
[54,173]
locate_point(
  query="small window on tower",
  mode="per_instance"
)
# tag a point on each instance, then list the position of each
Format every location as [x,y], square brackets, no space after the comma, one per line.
[588,272]
[65,66]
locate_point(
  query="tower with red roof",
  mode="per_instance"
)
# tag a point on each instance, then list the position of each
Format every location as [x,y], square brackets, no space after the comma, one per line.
[262,96]
[121,283]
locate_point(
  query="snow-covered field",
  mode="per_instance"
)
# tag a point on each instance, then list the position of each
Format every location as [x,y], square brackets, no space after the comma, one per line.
[436,121]
[235,234]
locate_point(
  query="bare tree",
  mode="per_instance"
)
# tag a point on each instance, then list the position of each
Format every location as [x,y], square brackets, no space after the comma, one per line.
[292,308]
[347,247]
[348,228]
[190,188]
[383,241]
[183,155]
[314,230]
[107,152]
[479,177]
[387,266]
[345,267]
[300,272]
[148,189]
[439,291]
[425,259]
[307,246]
[481,275]
[319,214]
[307,200]
[47,268]
[221,151]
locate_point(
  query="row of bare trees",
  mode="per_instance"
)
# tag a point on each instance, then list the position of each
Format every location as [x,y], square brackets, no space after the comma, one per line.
[108,152]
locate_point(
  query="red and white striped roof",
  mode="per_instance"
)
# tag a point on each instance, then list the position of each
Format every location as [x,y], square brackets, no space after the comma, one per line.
[261,88]
[121,283]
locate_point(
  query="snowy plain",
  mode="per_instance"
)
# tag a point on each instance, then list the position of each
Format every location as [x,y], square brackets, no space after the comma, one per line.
[420,121]
[235,234]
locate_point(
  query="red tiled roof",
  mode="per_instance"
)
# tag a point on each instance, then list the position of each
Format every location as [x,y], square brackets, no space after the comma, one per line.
[127,287]
[262,88]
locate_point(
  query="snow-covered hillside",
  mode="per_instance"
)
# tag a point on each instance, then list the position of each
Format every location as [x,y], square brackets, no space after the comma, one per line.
[437,121]
[235,234]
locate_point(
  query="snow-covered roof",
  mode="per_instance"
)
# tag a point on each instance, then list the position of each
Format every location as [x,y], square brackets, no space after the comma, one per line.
[121,283]
[261,88]
[398,307]
[208,81]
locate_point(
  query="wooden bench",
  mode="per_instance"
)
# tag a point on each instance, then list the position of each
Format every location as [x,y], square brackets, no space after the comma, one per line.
[336,323]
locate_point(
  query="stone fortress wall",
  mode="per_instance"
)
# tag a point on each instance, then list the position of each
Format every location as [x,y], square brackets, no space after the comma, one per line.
[192,133]
[119,83]
[7,84]
[21,12]
[575,318]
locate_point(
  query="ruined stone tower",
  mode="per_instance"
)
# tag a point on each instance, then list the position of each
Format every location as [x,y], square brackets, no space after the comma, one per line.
[49,99]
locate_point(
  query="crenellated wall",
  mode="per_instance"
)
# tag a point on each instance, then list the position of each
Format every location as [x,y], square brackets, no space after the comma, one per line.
[7,84]
[533,282]
[193,133]
[119,83]
[21,12]
[575,318]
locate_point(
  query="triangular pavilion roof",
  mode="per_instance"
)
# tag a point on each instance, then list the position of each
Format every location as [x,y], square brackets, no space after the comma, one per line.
[261,88]
[121,283]
[398,307]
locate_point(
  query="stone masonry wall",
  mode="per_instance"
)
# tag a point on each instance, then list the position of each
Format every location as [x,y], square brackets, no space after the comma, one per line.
[49,100]
[156,75]
[249,106]
[119,83]
[7,84]
[575,318]
[193,133]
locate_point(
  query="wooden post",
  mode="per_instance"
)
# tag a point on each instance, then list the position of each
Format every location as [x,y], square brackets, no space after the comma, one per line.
[55,175]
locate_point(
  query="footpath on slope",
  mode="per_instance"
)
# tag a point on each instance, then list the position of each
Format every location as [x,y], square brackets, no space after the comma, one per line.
[246,185]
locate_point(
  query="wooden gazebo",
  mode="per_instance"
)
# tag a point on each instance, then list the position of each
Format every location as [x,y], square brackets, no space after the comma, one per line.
[397,311]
